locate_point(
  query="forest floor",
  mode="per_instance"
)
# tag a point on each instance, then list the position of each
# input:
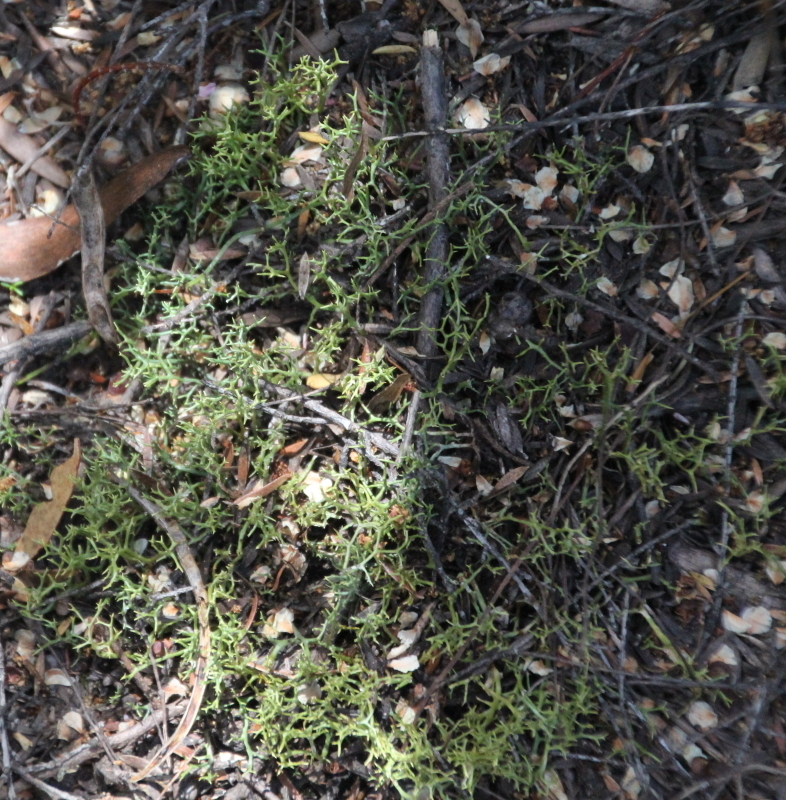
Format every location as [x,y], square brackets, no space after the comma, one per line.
[413,422]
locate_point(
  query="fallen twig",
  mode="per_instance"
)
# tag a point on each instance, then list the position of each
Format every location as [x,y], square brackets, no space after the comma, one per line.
[194,577]
[328,414]
[45,342]
[71,759]
[435,110]
[53,791]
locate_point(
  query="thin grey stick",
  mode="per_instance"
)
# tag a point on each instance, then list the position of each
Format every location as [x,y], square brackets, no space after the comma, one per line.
[52,791]
[347,424]
[555,122]
[45,342]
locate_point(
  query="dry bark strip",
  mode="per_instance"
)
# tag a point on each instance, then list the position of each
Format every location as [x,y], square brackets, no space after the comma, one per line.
[194,577]
[91,216]
[435,111]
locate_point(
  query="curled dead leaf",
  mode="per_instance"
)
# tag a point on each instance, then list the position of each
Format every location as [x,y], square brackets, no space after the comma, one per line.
[27,251]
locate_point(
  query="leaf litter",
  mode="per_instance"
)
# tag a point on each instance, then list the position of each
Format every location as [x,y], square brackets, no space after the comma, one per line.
[625,520]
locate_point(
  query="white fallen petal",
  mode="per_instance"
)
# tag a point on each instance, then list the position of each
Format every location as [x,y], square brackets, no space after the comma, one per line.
[290,178]
[405,664]
[490,64]
[305,153]
[537,667]
[282,621]
[483,486]
[681,294]
[175,688]
[723,237]
[607,287]
[473,114]
[569,193]
[733,623]
[405,712]
[224,98]
[702,716]
[610,211]
[755,502]
[533,197]
[691,751]
[647,290]
[15,560]
[652,509]
[734,195]
[640,158]
[774,339]
[672,268]
[408,618]
[572,320]
[546,178]
[471,36]
[641,246]
[309,693]
[724,655]
[25,644]
[74,720]
[758,619]
[56,677]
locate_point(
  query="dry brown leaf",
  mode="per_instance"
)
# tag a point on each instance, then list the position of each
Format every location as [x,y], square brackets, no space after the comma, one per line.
[456,10]
[559,21]
[642,6]
[45,517]
[666,325]
[27,251]
[470,35]
[394,50]
[385,398]
[261,490]
[23,147]
[681,294]
[753,63]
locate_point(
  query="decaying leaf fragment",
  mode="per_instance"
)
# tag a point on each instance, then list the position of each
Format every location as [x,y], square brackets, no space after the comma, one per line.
[44,518]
